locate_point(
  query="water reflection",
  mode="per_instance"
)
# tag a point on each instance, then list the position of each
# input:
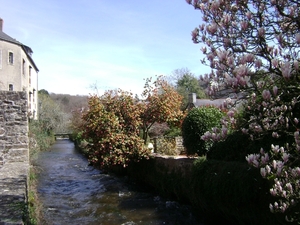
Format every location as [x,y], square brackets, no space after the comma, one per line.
[74,193]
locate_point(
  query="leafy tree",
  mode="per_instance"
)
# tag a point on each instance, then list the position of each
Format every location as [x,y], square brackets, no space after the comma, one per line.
[161,104]
[113,122]
[51,115]
[111,125]
[186,83]
[253,47]
[44,92]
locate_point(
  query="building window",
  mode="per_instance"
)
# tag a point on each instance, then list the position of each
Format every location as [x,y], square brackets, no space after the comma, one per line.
[10,58]
[10,87]
[23,67]
[29,105]
[29,76]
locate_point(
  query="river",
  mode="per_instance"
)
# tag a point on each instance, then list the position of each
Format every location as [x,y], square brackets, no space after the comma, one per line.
[72,192]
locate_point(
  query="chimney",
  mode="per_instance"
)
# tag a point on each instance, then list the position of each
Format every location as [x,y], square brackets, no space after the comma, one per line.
[192,98]
[1,24]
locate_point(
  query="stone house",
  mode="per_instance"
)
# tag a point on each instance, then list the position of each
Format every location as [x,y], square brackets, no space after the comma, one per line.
[18,72]
[221,102]
[194,102]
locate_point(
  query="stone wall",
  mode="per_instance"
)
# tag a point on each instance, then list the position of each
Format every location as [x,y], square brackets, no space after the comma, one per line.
[14,157]
[231,192]
[179,145]
[13,127]
[178,141]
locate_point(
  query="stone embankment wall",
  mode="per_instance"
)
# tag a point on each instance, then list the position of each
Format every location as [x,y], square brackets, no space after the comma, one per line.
[14,156]
[226,191]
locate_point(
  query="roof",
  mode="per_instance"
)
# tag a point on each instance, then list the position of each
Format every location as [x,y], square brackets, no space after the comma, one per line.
[209,102]
[27,50]
[5,37]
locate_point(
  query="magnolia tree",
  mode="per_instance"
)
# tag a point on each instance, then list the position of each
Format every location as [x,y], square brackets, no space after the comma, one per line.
[252,47]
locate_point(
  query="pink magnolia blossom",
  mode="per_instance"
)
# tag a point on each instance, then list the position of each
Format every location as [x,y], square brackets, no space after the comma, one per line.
[212,29]
[215,5]
[258,63]
[249,15]
[247,55]
[263,172]
[298,38]
[266,94]
[286,69]
[280,39]
[226,19]
[275,63]
[261,32]
[285,157]
[244,25]
[275,90]
[296,64]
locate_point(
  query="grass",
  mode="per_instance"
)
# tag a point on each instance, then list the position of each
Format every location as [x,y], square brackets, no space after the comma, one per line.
[39,141]
[34,205]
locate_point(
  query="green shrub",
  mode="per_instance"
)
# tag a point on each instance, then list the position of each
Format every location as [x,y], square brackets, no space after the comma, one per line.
[173,132]
[238,145]
[39,138]
[196,123]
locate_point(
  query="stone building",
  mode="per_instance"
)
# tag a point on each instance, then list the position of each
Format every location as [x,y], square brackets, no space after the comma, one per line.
[195,102]
[18,72]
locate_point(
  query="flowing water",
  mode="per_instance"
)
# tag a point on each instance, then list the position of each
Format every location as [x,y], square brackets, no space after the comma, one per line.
[74,193]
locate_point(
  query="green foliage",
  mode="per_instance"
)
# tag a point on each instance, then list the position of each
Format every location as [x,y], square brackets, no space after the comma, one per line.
[173,132]
[238,145]
[186,83]
[196,123]
[51,115]
[233,190]
[39,138]
[43,92]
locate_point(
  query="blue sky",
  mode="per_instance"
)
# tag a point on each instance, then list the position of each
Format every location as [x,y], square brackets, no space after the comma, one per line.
[113,44]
